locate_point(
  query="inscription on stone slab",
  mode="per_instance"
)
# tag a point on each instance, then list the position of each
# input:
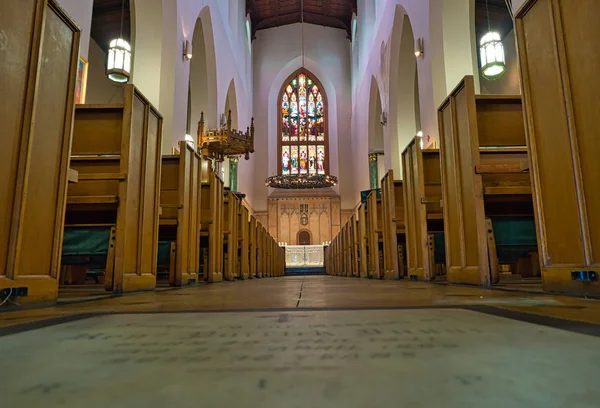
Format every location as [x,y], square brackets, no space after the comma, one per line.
[450,358]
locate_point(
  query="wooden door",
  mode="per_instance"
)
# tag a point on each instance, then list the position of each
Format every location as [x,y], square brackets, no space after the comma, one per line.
[304,238]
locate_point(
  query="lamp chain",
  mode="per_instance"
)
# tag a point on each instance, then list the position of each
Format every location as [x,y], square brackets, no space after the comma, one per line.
[302,24]
[487,11]
[122,18]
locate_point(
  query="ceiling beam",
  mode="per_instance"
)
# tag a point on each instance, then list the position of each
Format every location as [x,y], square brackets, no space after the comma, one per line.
[273,20]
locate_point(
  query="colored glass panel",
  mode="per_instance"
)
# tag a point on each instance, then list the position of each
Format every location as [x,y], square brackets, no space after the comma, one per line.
[321,159]
[302,127]
[285,159]
[294,159]
[312,159]
[303,160]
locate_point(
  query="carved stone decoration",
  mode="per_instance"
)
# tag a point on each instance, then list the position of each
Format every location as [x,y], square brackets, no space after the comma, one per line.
[288,216]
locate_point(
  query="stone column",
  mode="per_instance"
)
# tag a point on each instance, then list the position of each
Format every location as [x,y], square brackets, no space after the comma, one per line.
[373,173]
[233,173]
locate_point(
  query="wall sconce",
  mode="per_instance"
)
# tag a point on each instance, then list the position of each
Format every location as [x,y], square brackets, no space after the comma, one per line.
[187,50]
[419,49]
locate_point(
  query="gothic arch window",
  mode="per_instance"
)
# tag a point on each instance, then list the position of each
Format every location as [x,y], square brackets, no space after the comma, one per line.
[303,139]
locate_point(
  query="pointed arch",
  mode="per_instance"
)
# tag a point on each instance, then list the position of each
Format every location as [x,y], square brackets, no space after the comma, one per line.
[404,99]
[376,141]
[231,104]
[203,71]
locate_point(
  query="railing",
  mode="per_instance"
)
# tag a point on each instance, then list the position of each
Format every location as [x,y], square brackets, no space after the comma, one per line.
[304,256]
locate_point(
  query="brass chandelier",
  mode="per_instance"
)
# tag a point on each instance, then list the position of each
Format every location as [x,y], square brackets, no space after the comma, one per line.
[216,144]
[301,181]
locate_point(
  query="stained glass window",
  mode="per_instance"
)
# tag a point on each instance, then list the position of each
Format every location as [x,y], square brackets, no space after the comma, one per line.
[303,139]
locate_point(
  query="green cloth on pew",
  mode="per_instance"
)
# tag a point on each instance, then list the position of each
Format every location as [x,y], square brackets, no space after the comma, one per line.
[164,253]
[85,246]
[515,237]
[439,250]
[86,241]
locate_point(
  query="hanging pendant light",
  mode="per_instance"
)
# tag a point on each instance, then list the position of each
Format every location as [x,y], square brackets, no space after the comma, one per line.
[118,65]
[493,62]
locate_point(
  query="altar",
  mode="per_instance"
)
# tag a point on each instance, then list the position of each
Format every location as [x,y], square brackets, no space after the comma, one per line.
[304,256]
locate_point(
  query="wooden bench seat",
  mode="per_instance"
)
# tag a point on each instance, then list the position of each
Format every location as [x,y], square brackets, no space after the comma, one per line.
[180,217]
[39,59]
[423,205]
[212,201]
[231,209]
[394,240]
[116,153]
[560,86]
[244,242]
[374,226]
[253,247]
[486,184]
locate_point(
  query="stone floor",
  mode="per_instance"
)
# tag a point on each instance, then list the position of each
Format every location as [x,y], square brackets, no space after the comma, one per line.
[306,342]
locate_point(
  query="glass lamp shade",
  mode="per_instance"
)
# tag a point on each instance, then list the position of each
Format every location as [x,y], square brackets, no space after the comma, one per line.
[493,63]
[118,66]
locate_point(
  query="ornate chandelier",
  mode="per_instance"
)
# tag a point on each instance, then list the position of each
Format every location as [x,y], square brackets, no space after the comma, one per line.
[301,181]
[217,144]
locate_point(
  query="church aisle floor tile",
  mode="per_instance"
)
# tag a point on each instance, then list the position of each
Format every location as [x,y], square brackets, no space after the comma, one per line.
[315,292]
[368,358]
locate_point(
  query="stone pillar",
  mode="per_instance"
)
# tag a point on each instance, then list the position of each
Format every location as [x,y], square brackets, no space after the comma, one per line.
[373,173]
[233,173]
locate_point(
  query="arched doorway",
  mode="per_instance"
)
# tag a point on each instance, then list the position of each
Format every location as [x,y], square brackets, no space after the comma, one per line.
[304,237]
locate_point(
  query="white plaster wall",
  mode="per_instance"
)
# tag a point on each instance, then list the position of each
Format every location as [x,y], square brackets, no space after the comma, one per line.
[81,12]
[232,59]
[277,54]
[517,4]
[444,63]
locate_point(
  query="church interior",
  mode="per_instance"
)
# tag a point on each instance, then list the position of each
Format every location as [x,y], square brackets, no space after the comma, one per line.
[299,203]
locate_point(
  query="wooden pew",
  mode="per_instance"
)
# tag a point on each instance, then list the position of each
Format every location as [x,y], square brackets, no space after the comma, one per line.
[423,208]
[338,256]
[231,210]
[212,198]
[38,68]
[374,233]
[260,250]
[482,141]
[116,150]
[392,196]
[267,254]
[327,255]
[355,226]
[559,53]
[346,231]
[244,238]
[253,250]
[272,258]
[180,218]
[281,261]
[330,256]
[340,253]
[362,246]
